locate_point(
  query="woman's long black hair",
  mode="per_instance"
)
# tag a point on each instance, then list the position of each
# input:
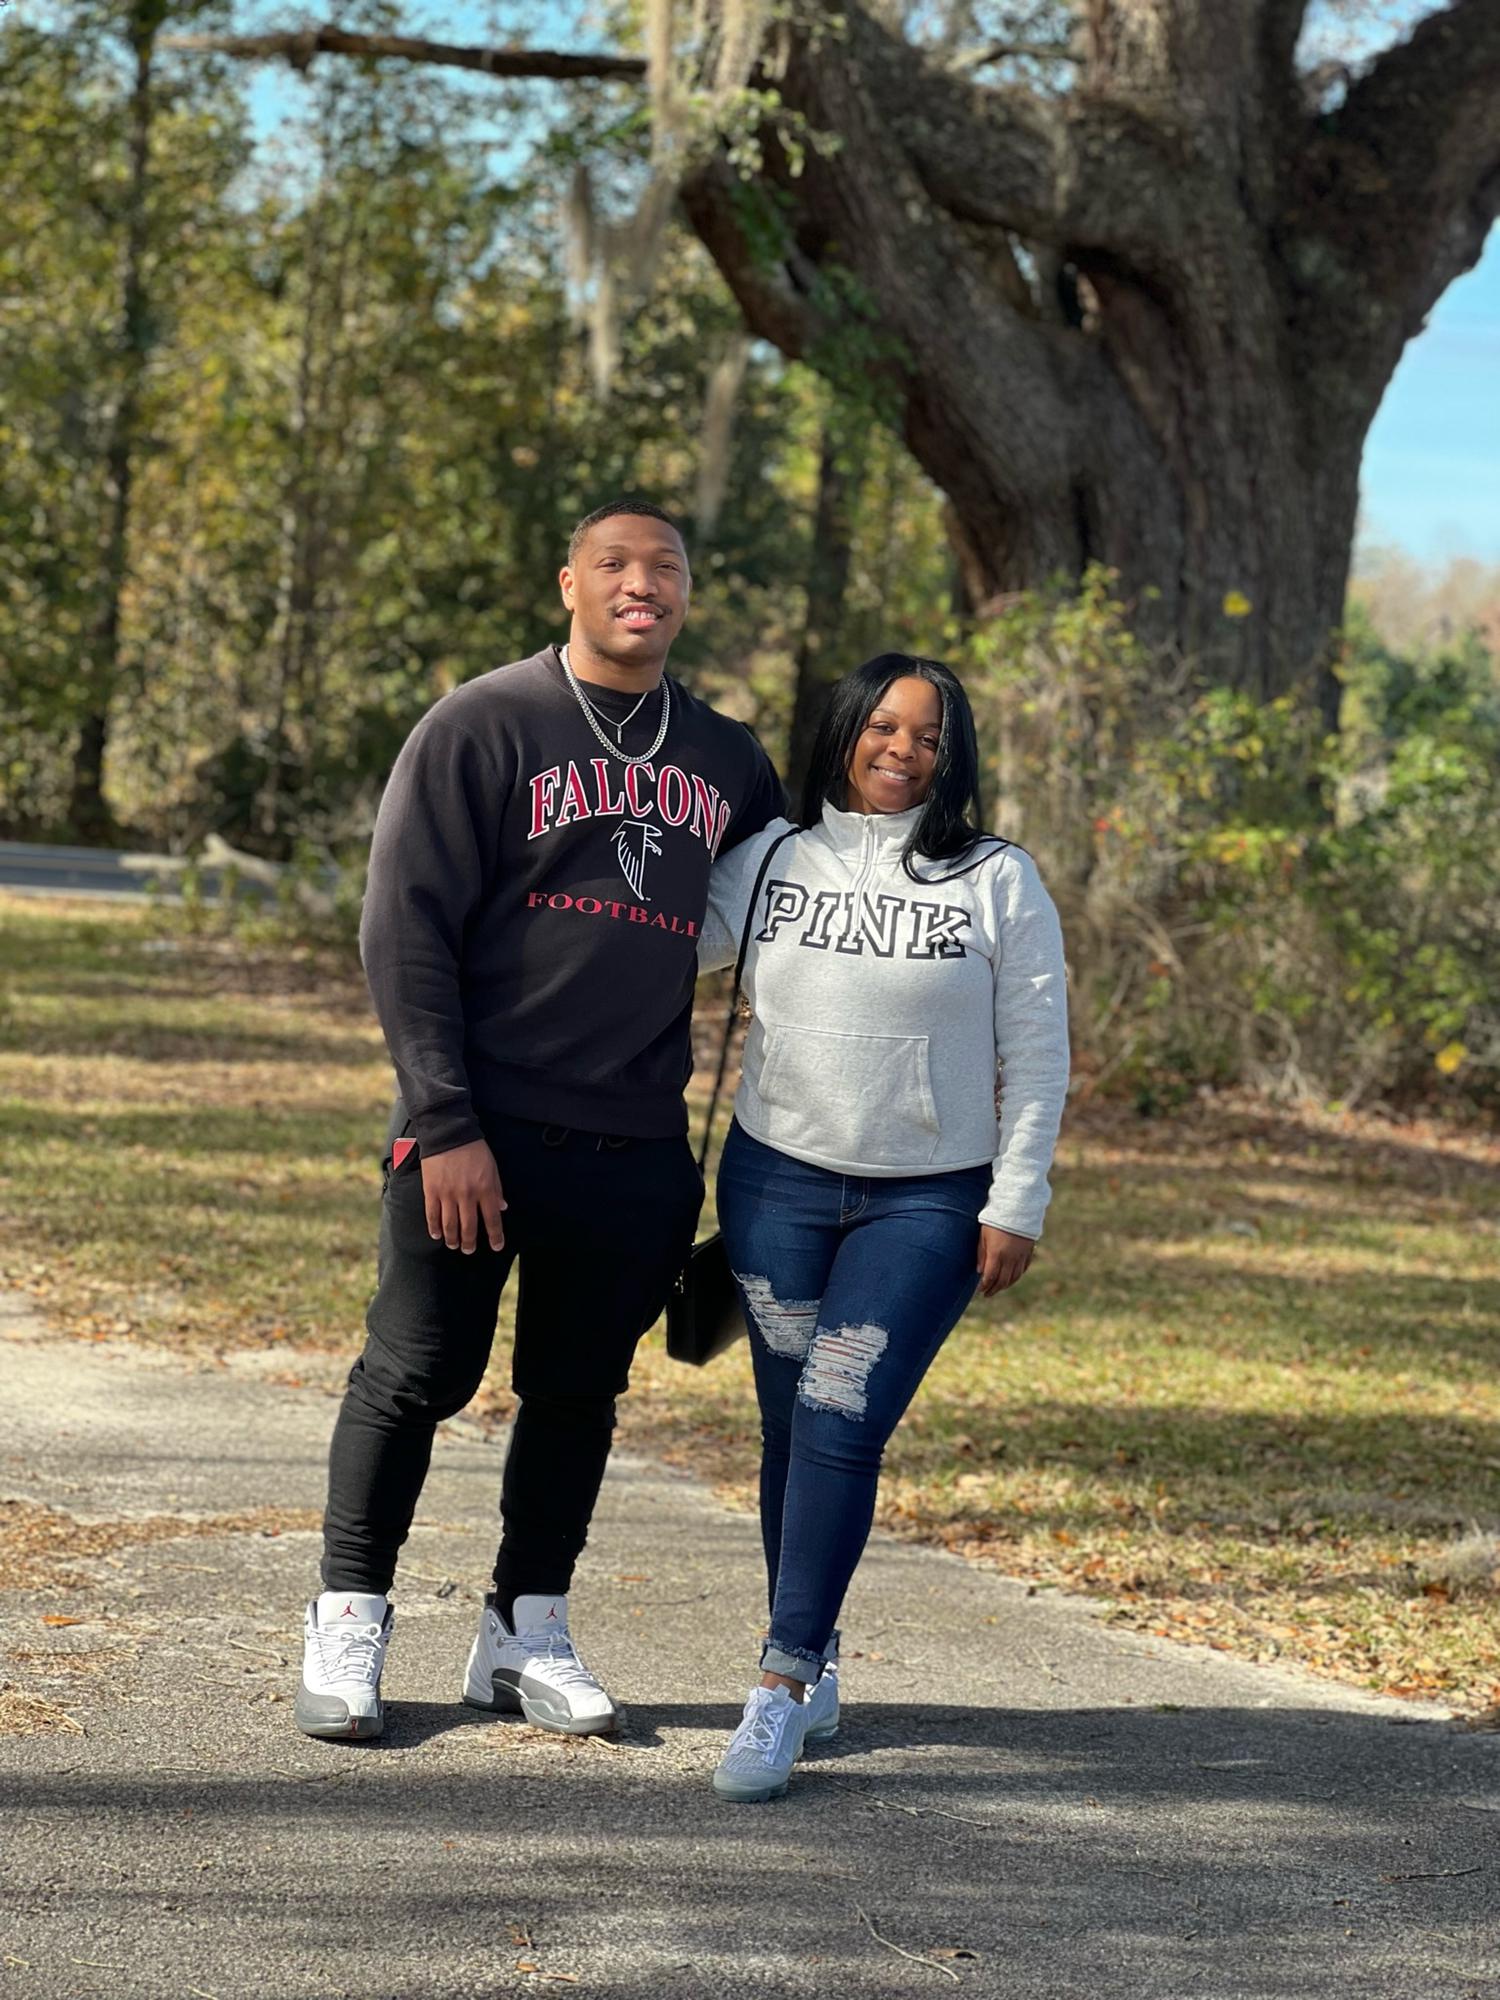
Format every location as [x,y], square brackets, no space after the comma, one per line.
[949,824]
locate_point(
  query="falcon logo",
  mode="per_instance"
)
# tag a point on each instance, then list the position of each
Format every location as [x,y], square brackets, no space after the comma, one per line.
[632,844]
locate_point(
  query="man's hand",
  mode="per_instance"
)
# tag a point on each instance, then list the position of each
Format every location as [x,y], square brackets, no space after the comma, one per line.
[462,1189]
[1003,1257]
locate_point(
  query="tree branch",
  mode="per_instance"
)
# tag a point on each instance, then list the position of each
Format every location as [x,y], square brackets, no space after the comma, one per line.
[1428,111]
[777,292]
[856,270]
[1011,180]
[965,60]
[1407,170]
[298,47]
[985,154]
[1452,53]
[1079,171]
[1280,31]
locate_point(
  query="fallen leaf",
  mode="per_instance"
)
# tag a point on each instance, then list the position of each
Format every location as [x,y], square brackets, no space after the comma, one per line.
[57,1618]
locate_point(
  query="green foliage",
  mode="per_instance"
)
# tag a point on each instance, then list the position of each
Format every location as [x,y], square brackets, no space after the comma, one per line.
[366,426]
[1245,899]
[368,430]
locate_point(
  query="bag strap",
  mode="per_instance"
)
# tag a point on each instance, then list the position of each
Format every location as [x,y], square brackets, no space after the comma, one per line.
[734,996]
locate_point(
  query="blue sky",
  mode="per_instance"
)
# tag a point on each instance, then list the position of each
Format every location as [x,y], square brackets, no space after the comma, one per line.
[1431,475]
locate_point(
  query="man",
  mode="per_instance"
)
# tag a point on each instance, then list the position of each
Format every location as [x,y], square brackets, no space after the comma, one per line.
[537,882]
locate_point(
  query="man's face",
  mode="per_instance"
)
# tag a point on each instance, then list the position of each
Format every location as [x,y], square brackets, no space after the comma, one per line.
[628,589]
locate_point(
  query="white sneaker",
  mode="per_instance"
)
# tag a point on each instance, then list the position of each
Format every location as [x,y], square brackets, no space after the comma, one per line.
[758,1763]
[533,1670]
[343,1652]
[823,1704]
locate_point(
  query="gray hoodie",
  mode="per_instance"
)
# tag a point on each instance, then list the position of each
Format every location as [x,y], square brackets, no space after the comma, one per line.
[884,1007]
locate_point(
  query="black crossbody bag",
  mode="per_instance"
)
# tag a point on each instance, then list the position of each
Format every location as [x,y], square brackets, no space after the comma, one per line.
[703,1313]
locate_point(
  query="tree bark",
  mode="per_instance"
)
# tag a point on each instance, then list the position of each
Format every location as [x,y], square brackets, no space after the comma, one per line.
[1217,285]
[819,662]
[316,500]
[1144,322]
[99,670]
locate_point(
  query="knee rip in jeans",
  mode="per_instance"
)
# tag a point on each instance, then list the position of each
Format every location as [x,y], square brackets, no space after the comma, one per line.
[838,1368]
[785,1325]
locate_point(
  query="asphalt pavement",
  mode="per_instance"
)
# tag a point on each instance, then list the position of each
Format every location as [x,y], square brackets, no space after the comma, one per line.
[31,868]
[1022,1802]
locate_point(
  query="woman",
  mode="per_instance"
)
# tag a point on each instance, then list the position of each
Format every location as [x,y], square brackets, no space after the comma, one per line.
[897,959]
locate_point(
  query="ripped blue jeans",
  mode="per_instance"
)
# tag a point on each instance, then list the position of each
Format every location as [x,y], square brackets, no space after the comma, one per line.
[850,1287]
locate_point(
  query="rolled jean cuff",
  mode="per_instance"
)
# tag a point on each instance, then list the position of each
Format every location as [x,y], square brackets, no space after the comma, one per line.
[792,1661]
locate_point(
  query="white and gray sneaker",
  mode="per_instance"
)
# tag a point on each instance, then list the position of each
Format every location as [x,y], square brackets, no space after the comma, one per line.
[533,1669]
[343,1653]
[823,1704]
[758,1763]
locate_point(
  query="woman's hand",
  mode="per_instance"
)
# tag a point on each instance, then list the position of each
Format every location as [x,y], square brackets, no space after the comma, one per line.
[1003,1257]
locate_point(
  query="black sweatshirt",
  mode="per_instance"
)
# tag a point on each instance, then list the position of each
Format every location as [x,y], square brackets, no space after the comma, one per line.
[531,922]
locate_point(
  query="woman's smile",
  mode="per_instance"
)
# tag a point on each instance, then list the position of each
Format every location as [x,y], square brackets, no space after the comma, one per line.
[895,757]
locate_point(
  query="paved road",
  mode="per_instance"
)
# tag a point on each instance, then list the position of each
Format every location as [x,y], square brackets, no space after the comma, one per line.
[29,869]
[1075,1811]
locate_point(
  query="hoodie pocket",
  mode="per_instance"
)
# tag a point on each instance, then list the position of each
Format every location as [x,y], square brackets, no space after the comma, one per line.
[860,1100]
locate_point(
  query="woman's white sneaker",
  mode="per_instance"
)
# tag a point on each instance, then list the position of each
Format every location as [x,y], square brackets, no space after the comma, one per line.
[758,1763]
[343,1655]
[533,1669]
[823,1704]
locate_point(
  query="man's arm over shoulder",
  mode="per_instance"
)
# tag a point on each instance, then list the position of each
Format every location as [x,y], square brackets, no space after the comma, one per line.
[764,799]
[730,885]
[430,862]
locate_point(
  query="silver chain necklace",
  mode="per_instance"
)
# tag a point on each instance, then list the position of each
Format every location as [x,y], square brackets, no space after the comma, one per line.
[617,727]
[591,715]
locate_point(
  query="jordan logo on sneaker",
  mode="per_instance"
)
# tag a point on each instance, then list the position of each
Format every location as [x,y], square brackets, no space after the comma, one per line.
[349,1611]
[553,1612]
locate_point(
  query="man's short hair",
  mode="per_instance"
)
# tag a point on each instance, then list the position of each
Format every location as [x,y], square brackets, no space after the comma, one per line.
[612,507]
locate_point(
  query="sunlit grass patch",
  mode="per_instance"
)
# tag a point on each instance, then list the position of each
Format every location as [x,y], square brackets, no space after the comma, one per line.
[1248,1394]
[189,1133]
[1262,1438]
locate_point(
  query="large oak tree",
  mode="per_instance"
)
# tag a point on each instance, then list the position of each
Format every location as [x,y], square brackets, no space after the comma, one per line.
[1145,319]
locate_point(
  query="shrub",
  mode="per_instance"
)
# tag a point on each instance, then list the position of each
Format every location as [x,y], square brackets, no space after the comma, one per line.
[1245,899]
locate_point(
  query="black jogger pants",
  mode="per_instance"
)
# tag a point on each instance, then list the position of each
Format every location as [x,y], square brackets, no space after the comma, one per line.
[599,1227]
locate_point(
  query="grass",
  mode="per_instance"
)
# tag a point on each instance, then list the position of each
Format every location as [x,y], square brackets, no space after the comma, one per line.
[1247,1394]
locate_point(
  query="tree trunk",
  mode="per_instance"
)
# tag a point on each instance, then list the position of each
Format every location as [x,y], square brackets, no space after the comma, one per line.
[1238,561]
[316,501]
[88,810]
[819,663]
[1144,321]
[1140,324]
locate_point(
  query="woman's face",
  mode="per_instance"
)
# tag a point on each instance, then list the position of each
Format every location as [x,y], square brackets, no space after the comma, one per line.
[895,756]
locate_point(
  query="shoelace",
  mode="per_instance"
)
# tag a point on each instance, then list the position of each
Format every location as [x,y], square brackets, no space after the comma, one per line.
[566,1667]
[758,1731]
[350,1652]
